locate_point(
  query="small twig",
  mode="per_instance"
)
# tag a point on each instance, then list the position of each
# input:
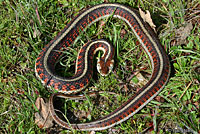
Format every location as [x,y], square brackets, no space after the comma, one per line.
[131,77]
[38,16]
[16,16]
[185,90]
[4,113]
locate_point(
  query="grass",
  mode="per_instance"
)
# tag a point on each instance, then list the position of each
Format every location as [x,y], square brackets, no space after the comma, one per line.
[26,26]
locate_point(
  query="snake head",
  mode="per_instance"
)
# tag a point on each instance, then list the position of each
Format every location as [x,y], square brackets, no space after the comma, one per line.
[104,67]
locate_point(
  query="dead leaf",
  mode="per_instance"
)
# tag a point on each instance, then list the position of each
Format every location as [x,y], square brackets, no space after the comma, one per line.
[81,114]
[92,132]
[183,32]
[147,18]
[159,99]
[123,32]
[142,80]
[114,131]
[43,118]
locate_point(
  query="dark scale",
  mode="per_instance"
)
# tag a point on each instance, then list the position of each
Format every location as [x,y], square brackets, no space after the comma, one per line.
[120,118]
[92,17]
[81,58]
[97,14]
[124,115]
[131,110]
[39,72]
[59,86]
[143,100]
[77,86]
[139,104]
[68,88]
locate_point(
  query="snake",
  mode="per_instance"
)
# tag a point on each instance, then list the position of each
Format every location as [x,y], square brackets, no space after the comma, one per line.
[50,54]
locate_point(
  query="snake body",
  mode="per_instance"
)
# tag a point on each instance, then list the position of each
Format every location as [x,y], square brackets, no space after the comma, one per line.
[45,63]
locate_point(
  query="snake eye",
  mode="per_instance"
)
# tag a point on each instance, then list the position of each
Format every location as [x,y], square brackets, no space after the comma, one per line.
[111,67]
[98,65]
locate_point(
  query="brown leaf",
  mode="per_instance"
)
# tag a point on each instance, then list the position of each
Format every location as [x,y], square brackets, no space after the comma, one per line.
[43,118]
[183,32]
[122,33]
[142,80]
[92,132]
[159,99]
[81,114]
[147,18]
